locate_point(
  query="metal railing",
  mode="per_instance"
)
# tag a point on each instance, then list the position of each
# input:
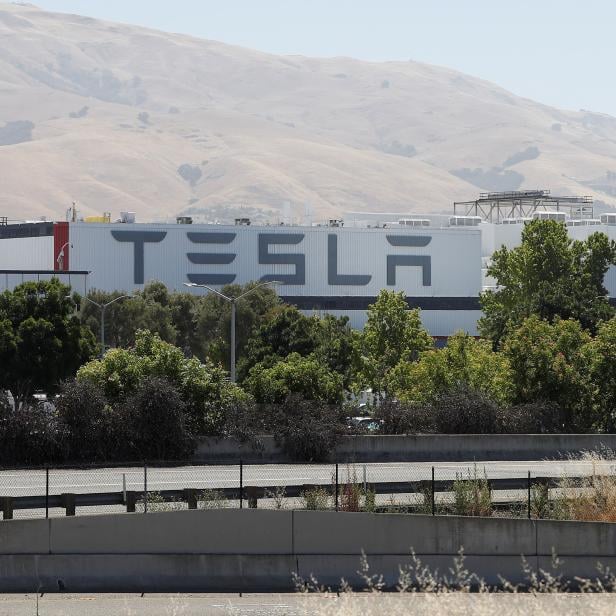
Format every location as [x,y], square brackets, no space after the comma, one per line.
[420,488]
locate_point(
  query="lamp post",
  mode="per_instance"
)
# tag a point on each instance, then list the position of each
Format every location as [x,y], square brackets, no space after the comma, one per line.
[60,259]
[233,301]
[102,308]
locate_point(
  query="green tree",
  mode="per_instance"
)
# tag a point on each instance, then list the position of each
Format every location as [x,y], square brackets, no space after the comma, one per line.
[212,320]
[549,275]
[286,331]
[392,334]
[602,355]
[465,363]
[183,307]
[204,387]
[151,309]
[42,341]
[336,346]
[551,361]
[154,420]
[295,374]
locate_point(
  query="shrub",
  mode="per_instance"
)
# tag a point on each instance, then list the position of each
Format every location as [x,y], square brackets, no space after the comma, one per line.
[307,430]
[87,422]
[316,499]
[395,417]
[531,418]
[465,411]
[154,417]
[472,495]
[29,434]
[306,376]
[212,499]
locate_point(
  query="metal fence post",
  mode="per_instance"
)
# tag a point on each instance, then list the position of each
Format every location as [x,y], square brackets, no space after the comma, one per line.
[145,488]
[433,500]
[46,492]
[529,495]
[336,486]
[241,484]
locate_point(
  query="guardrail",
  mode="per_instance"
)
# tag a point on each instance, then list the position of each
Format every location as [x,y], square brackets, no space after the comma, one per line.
[252,494]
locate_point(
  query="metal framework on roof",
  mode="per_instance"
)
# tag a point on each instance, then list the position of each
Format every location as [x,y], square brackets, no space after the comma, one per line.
[496,206]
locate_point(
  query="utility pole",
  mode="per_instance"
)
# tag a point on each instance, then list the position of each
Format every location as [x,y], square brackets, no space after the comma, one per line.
[233,301]
[102,308]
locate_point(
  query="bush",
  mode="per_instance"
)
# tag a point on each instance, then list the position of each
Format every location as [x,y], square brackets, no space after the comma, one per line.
[154,417]
[87,422]
[532,418]
[307,376]
[29,435]
[306,430]
[395,417]
[204,387]
[472,495]
[467,411]
[316,499]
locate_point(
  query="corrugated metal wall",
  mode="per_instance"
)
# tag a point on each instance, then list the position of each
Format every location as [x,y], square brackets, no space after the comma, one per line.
[455,257]
[27,253]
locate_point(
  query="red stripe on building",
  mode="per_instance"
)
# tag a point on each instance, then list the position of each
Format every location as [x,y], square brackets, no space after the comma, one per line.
[61,245]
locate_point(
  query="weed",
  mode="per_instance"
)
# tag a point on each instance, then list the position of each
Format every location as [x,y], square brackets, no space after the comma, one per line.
[472,496]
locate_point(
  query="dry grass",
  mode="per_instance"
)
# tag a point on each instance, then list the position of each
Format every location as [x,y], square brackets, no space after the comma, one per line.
[459,591]
[351,604]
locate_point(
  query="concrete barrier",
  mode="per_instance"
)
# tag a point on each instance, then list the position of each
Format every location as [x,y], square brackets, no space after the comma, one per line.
[253,550]
[418,448]
[216,531]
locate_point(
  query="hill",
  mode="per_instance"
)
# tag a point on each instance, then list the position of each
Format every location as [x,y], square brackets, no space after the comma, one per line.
[119,117]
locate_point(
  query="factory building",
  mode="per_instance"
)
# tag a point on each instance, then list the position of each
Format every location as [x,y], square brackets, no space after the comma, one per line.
[335,267]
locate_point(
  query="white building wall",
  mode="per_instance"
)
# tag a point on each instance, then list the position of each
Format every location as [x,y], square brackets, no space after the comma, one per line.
[454,258]
[440,323]
[33,253]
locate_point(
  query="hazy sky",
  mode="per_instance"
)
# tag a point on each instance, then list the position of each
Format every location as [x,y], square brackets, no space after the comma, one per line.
[560,52]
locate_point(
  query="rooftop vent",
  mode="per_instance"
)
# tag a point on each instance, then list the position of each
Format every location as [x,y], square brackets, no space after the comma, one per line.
[127,217]
[608,219]
[584,222]
[414,222]
[550,215]
[464,221]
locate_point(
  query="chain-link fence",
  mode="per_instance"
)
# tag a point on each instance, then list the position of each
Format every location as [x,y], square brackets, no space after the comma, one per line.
[567,489]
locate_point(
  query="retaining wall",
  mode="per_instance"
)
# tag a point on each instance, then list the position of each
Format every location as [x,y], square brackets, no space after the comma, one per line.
[419,448]
[253,550]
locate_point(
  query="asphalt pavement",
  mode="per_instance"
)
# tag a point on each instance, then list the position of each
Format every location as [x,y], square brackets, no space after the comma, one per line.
[32,482]
[365,604]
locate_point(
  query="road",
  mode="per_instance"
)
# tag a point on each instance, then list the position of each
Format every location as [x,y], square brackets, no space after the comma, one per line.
[32,482]
[366,604]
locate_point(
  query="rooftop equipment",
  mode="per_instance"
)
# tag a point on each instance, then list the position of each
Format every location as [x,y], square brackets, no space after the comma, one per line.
[242,222]
[608,219]
[496,206]
[548,215]
[184,220]
[105,218]
[464,221]
[127,217]
[414,222]
[586,222]
[515,221]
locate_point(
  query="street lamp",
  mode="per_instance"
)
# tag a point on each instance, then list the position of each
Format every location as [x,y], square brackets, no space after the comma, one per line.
[102,308]
[60,259]
[233,302]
